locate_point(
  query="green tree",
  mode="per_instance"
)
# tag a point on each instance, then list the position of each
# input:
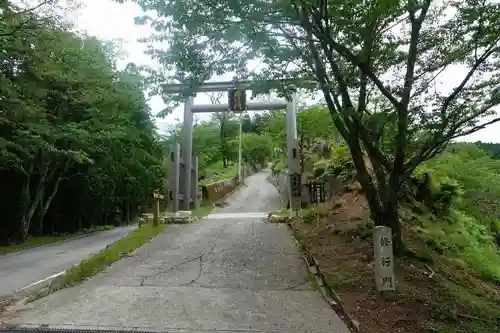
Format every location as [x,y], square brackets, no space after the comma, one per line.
[354,51]
[313,124]
[75,132]
[256,148]
[225,128]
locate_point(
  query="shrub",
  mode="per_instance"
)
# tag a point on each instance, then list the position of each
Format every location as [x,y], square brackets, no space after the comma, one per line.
[437,192]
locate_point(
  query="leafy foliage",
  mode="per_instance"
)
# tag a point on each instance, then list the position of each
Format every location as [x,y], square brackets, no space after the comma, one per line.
[78,147]
[464,191]
[477,174]
[492,148]
[216,142]
[374,61]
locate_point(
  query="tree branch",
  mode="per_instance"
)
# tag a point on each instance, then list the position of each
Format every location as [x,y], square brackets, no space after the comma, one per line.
[486,54]
[402,111]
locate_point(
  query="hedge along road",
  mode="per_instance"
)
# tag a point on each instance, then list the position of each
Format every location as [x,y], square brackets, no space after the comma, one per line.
[229,272]
[32,267]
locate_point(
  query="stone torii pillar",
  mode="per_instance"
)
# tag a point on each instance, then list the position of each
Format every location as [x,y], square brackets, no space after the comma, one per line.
[293,155]
[187,150]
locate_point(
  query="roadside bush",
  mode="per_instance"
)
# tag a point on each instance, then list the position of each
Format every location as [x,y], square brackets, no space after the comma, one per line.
[464,189]
[479,177]
[277,166]
[437,192]
[315,214]
[339,163]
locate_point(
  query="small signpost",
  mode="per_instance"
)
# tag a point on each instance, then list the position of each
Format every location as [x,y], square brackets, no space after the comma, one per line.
[156,206]
[384,259]
[237,100]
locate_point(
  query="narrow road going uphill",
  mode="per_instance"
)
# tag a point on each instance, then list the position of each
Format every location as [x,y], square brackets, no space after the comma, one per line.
[19,271]
[230,272]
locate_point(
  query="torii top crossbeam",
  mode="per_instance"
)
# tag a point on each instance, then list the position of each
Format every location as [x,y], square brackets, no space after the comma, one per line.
[174,88]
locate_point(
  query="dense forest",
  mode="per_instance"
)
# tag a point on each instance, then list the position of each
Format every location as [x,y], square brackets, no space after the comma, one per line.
[78,147]
[216,140]
[492,148]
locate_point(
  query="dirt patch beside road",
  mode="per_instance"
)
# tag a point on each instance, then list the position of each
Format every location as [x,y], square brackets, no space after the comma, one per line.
[432,295]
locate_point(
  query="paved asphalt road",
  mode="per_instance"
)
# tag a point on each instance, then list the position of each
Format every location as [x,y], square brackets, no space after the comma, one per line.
[18,270]
[230,272]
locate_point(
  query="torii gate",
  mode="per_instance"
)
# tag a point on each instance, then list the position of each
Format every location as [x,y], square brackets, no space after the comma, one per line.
[183,177]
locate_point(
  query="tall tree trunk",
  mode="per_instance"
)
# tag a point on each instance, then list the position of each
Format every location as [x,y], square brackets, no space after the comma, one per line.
[45,204]
[383,209]
[127,212]
[389,217]
[33,204]
[24,205]
[41,214]
[25,200]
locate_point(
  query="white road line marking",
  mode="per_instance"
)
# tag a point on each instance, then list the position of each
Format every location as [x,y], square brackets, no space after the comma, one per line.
[40,281]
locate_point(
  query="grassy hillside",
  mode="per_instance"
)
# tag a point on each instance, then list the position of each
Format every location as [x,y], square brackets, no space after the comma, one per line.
[468,232]
[449,281]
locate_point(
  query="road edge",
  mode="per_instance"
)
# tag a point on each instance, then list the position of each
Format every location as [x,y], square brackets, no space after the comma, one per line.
[48,288]
[314,268]
[3,255]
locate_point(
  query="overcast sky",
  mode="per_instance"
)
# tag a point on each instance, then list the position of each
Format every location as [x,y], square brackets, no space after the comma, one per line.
[110,20]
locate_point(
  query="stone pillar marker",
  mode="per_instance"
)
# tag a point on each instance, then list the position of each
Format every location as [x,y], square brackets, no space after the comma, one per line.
[384,259]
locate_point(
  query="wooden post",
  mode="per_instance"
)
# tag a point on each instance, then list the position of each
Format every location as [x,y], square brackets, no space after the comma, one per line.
[384,259]
[156,207]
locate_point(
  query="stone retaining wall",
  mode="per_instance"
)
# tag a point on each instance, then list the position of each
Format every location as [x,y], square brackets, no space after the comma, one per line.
[216,191]
[280,180]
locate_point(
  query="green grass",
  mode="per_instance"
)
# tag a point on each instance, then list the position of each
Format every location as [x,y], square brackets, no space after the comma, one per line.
[32,242]
[220,173]
[202,211]
[283,212]
[467,233]
[480,180]
[463,312]
[463,239]
[311,278]
[98,262]
[299,236]
[341,278]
